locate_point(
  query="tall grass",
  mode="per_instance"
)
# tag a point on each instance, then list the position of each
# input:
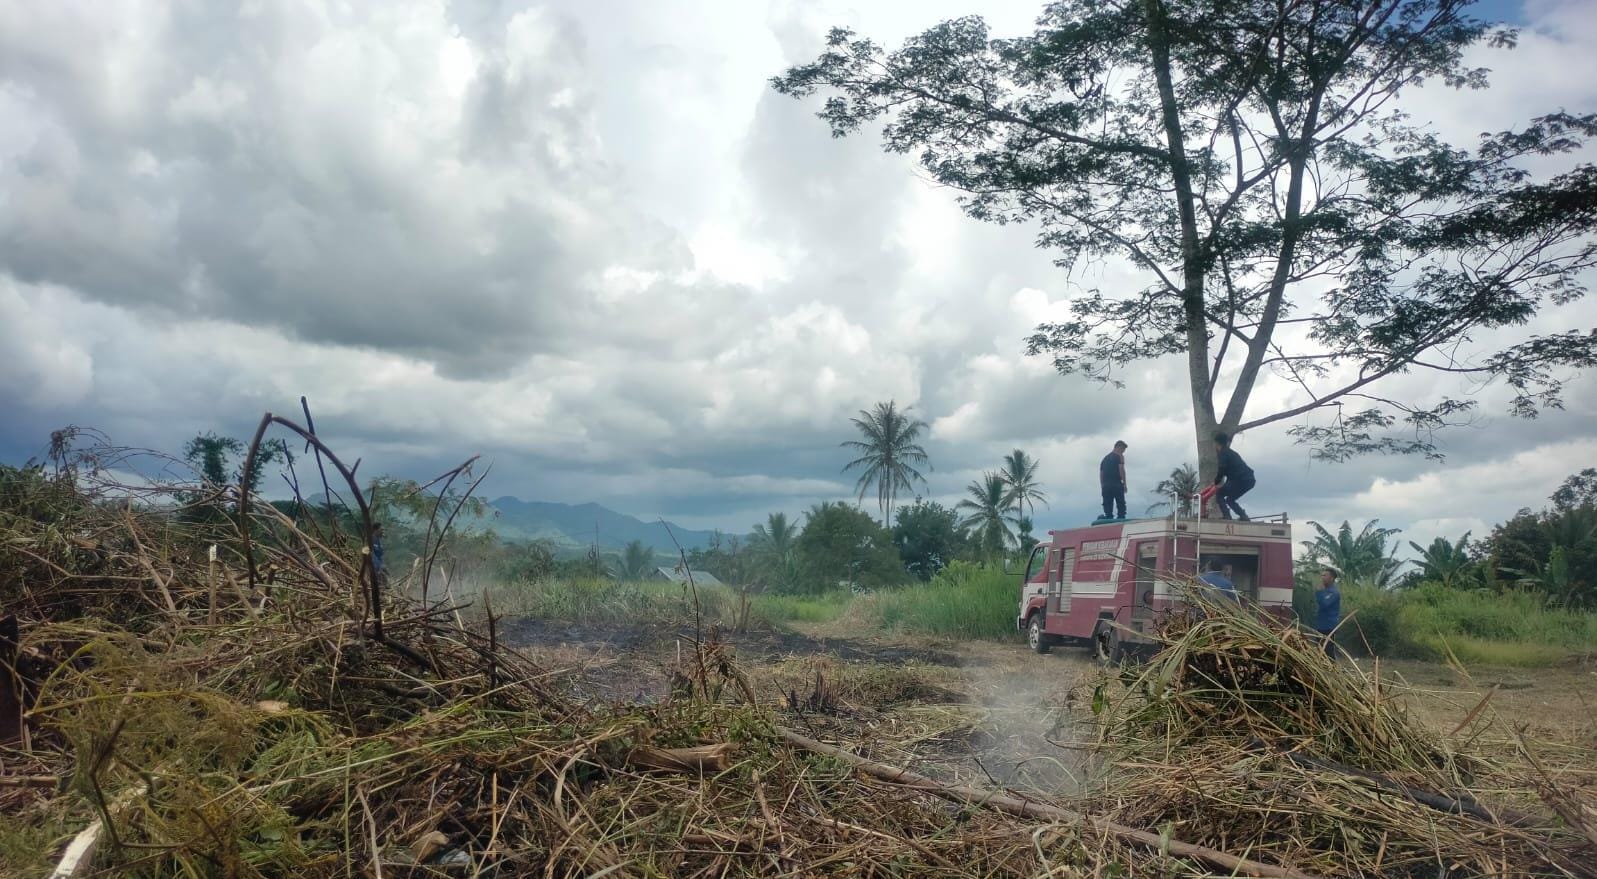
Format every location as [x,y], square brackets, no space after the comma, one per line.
[963,601]
[822,608]
[1489,628]
[605,601]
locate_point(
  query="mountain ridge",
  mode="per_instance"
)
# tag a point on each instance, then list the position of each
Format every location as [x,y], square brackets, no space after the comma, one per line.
[588,523]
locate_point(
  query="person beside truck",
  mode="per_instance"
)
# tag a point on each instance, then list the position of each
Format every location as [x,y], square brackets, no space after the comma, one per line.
[1328,608]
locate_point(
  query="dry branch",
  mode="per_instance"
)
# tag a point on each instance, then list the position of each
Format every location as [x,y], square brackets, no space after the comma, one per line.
[1030,809]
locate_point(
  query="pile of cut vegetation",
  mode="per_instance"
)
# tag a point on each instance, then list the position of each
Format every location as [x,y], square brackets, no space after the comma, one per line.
[215,688]
[1244,735]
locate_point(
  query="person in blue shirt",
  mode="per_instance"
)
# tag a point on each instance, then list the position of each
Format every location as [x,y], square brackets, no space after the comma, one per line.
[1218,580]
[1327,608]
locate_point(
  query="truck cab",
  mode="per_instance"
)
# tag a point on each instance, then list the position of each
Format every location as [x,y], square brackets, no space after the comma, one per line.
[1105,586]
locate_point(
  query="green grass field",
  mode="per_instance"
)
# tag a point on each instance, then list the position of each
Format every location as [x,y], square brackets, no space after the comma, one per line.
[969,602]
[1476,627]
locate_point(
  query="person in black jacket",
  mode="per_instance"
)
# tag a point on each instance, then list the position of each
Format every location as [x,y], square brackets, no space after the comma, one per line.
[1234,478]
[1112,481]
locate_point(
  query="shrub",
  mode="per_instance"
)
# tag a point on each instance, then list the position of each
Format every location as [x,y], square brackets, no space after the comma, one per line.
[1428,621]
[964,600]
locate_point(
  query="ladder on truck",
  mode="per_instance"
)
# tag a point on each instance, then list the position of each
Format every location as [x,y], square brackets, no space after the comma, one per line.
[1191,529]
[1192,526]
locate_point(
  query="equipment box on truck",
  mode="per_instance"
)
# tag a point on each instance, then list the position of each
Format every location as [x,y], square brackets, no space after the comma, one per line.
[1104,586]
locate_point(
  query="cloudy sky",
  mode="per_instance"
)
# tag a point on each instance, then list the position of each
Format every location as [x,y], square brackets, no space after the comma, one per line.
[586,240]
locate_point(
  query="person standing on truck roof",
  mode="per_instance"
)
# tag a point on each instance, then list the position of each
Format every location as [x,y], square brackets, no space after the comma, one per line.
[1328,608]
[1112,480]
[1234,478]
[1221,583]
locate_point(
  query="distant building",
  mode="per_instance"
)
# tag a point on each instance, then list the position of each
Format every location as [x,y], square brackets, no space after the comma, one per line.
[679,574]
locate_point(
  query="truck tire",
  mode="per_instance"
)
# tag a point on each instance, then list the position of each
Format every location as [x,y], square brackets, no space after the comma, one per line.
[1036,638]
[1106,646]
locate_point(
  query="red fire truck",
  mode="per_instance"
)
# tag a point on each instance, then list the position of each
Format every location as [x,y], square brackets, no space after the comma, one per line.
[1104,586]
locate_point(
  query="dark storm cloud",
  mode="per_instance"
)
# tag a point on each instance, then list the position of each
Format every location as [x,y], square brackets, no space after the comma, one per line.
[590,244]
[340,178]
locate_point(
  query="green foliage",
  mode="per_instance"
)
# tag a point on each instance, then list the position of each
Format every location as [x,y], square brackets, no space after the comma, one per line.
[648,602]
[822,607]
[527,560]
[219,460]
[1240,156]
[841,544]
[1447,563]
[637,561]
[1579,490]
[1361,558]
[888,453]
[605,601]
[1023,491]
[590,566]
[774,545]
[1025,541]
[1183,483]
[1512,628]
[727,558]
[1553,552]
[928,538]
[964,600]
[987,517]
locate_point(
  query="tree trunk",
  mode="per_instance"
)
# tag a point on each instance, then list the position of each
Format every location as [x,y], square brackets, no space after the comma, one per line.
[1192,267]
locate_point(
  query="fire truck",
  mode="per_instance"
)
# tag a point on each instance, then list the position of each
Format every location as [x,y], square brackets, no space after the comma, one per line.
[1105,586]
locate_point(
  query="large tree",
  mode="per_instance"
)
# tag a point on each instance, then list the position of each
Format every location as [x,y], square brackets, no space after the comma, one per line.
[927,536]
[889,450]
[843,545]
[1251,159]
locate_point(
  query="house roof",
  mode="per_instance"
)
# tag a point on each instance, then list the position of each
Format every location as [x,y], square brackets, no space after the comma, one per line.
[700,578]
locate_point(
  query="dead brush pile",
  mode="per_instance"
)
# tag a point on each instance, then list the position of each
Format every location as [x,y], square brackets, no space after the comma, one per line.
[221,689]
[1243,735]
[224,689]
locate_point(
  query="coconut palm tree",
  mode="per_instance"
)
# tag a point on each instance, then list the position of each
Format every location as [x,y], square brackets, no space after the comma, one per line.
[989,518]
[888,453]
[773,545]
[637,561]
[1182,483]
[1362,557]
[1023,491]
[1445,562]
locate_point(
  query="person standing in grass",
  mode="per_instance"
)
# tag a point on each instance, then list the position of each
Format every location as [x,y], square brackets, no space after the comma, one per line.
[1112,480]
[1328,608]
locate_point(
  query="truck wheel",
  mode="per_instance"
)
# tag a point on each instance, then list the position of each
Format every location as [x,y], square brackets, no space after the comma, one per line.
[1036,638]
[1106,644]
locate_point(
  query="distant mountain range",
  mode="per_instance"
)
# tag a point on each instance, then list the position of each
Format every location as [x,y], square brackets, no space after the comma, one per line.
[573,525]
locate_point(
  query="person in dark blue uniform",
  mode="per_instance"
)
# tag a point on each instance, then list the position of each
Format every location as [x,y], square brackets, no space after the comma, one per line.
[1234,478]
[1328,609]
[1112,480]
